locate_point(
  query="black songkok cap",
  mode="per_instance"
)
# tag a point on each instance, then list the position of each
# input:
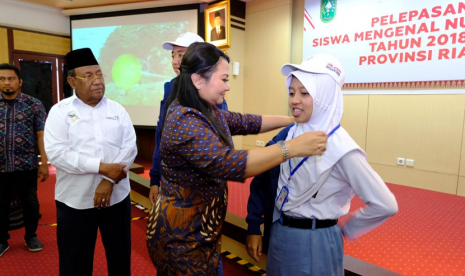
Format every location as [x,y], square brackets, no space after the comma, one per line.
[79,58]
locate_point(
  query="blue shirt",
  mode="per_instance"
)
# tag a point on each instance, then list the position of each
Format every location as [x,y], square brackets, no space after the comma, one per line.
[155,171]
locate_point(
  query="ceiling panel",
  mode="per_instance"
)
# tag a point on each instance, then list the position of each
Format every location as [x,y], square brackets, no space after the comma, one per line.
[75,4]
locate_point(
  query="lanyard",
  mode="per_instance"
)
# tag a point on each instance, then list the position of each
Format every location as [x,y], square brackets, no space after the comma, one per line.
[291,171]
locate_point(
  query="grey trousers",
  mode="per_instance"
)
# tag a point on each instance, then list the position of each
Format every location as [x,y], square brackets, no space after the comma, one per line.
[314,252]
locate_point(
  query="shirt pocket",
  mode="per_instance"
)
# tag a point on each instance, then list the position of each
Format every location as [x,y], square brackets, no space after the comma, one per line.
[73,120]
[113,132]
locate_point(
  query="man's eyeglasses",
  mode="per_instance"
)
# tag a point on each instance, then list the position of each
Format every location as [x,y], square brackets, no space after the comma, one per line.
[92,77]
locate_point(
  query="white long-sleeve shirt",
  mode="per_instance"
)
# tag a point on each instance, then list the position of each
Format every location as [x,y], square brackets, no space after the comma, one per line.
[77,138]
[351,175]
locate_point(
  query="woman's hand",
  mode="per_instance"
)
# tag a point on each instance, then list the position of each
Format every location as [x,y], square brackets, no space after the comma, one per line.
[153,193]
[307,144]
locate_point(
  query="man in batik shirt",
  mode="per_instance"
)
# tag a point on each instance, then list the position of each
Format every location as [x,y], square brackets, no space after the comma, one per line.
[22,121]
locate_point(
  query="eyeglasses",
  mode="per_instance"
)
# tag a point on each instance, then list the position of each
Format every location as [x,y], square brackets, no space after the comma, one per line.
[92,77]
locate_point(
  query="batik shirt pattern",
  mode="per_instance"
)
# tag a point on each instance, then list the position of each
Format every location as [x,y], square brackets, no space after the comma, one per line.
[19,125]
[184,229]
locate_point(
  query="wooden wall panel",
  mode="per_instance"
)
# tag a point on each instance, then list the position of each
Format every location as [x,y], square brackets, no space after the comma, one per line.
[462,153]
[297,32]
[461,186]
[267,48]
[439,182]
[4,54]
[145,143]
[235,97]
[355,117]
[426,128]
[264,5]
[41,43]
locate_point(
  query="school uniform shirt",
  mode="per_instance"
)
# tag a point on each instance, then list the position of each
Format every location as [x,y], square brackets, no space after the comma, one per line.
[78,138]
[351,175]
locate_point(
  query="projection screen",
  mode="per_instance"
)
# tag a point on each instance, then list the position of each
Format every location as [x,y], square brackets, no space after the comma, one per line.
[129,51]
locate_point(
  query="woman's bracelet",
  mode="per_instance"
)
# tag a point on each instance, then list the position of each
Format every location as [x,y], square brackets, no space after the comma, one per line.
[284,150]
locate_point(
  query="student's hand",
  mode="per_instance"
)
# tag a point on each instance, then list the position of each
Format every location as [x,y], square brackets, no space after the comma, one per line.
[113,171]
[307,144]
[253,244]
[43,173]
[103,194]
[153,193]
[343,223]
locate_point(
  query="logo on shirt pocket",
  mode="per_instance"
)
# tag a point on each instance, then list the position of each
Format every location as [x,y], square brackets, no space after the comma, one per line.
[73,117]
[115,118]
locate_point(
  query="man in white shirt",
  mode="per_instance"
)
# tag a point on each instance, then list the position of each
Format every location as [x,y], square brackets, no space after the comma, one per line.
[91,141]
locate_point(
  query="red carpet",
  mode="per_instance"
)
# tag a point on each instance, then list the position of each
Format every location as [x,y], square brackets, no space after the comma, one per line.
[426,237]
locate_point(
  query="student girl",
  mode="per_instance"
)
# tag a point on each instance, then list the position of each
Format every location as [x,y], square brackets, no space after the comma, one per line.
[301,200]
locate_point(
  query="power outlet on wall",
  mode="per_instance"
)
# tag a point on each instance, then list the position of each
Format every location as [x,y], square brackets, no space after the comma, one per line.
[401,161]
[260,143]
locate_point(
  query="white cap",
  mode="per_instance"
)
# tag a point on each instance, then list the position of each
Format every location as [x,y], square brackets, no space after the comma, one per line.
[183,40]
[320,63]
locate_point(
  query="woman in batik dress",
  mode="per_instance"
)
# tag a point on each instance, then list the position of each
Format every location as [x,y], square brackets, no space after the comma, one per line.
[198,157]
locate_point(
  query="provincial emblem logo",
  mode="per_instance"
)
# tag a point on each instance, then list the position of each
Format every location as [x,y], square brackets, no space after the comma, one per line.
[73,117]
[328,10]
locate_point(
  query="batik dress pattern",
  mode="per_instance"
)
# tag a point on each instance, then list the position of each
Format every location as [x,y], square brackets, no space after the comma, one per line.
[184,228]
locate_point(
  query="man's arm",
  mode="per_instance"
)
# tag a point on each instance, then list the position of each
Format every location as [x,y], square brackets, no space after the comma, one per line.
[58,150]
[255,211]
[120,165]
[155,171]
[43,173]
[128,149]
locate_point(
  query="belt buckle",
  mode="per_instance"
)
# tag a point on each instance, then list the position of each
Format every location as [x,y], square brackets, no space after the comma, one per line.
[285,220]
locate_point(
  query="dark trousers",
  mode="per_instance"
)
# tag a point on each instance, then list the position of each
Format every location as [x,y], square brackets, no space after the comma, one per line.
[25,183]
[77,234]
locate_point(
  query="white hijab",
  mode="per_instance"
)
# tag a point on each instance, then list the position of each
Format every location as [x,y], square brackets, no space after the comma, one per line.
[326,116]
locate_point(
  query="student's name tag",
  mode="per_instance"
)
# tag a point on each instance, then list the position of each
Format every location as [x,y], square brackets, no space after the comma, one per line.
[282,198]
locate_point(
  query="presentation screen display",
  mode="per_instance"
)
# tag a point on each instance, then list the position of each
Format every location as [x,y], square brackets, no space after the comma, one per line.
[389,41]
[130,53]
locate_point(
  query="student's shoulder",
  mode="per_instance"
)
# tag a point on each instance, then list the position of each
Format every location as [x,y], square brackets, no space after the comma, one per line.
[281,135]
